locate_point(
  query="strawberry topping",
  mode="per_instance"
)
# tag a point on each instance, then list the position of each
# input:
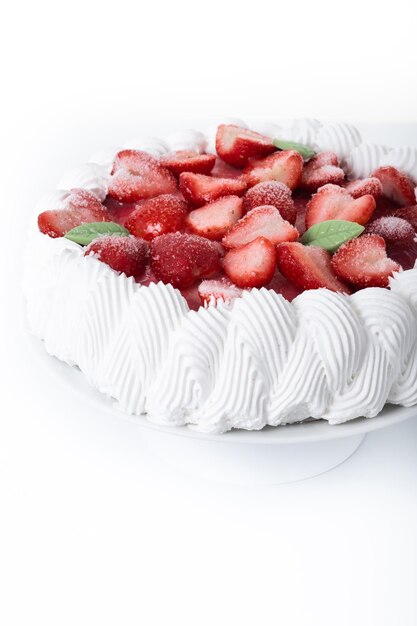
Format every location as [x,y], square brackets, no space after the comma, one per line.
[408,213]
[157,216]
[124,254]
[237,145]
[212,292]
[308,267]
[199,189]
[274,194]
[215,219]
[393,229]
[252,265]
[80,207]
[322,169]
[367,186]
[181,259]
[264,221]
[188,161]
[396,185]
[363,262]
[332,202]
[138,175]
[286,167]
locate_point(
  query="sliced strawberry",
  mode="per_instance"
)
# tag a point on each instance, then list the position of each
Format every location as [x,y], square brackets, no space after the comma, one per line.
[124,254]
[188,161]
[396,185]
[237,145]
[212,292]
[335,203]
[308,267]
[408,213]
[181,259]
[157,216]
[321,170]
[80,207]
[264,221]
[393,229]
[138,175]
[252,265]
[286,167]
[199,189]
[363,262]
[215,219]
[274,194]
[367,186]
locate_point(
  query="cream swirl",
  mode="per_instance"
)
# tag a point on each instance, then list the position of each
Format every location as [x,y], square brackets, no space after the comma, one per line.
[146,143]
[338,138]
[90,176]
[264,361]
[364,159]
[303,130]
[404,159]
[187,140]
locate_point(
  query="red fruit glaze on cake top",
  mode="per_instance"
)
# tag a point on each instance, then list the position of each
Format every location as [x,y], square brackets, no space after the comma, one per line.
[252,213]
[272,193]
[157,216]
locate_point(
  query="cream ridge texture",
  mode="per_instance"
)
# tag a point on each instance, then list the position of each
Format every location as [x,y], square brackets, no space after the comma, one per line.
[262,361]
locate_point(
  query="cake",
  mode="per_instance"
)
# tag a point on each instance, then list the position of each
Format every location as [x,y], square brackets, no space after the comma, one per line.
[234,278]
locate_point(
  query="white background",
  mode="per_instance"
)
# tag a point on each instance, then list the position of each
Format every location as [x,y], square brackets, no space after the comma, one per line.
[93,528]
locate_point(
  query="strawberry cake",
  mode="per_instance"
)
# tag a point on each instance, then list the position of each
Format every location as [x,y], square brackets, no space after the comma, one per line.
[236,277]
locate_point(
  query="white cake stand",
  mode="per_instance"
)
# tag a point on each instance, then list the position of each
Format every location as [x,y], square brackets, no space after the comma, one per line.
[270,456]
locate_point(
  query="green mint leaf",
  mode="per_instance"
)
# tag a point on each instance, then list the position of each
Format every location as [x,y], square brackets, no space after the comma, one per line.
[306,151]
[331,234]
[86,233]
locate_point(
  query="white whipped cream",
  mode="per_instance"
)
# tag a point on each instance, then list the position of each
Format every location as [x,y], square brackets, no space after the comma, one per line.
[105,158]
[404,159]
[89,176]
[364,159]
[187,140]
[338,138]
[155,146]
[303,130]
[262,361]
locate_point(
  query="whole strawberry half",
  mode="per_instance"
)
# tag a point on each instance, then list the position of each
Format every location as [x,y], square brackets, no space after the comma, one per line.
[363,262]
[215,219]
[181,259]
[252,265]
[394,230]
[285,167]
[236,145]
[322,169]
[408,213]
[128,255]
[138,175]
[272,193]
[80,207]
[263,221]
[332,202]
[396,185]
[199,189]
[308,267]
[157,216]
[188,161]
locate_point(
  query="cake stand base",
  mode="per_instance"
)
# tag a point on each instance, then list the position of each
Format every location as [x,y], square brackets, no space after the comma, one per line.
[248,463]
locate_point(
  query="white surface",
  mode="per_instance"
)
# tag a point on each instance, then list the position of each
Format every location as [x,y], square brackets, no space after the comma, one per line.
[94,529]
